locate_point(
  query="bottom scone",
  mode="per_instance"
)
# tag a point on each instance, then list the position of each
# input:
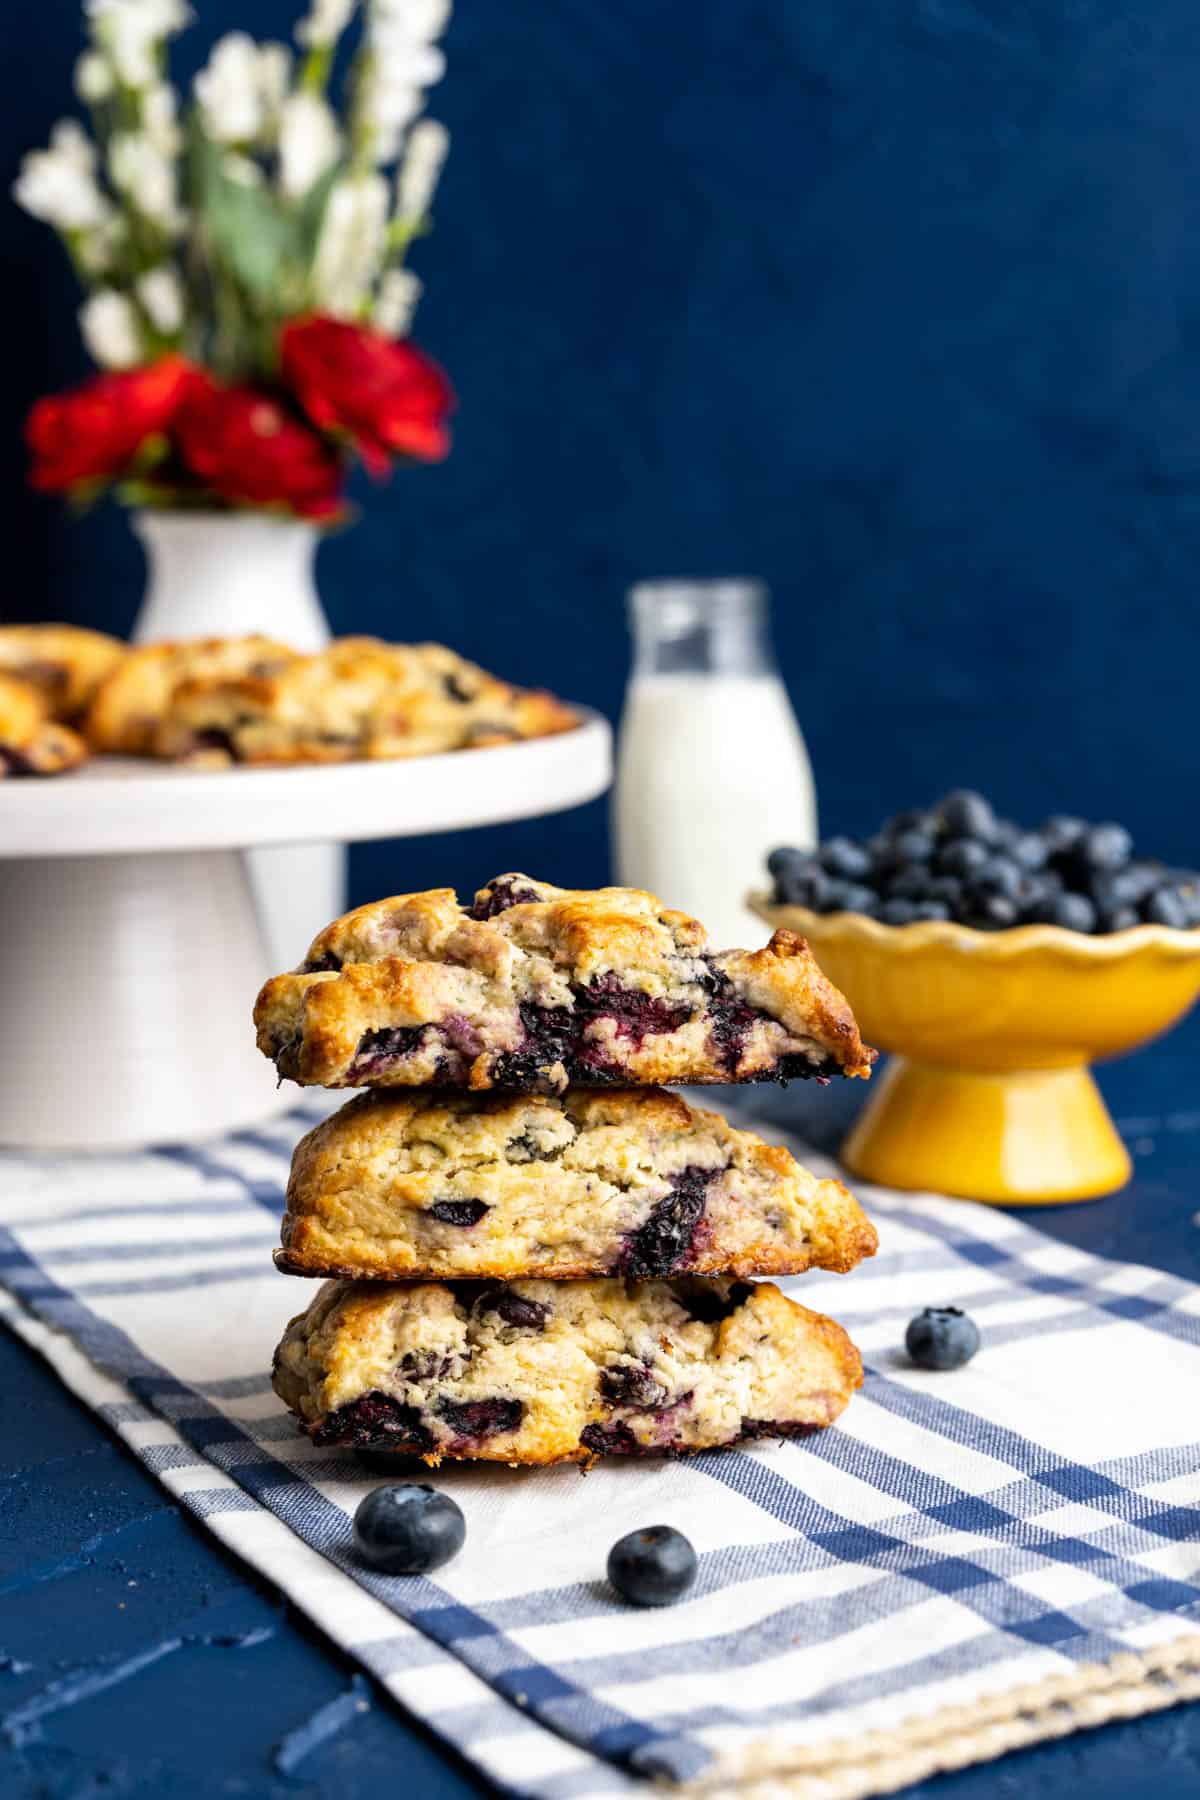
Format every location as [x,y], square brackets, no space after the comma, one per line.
[544,1371]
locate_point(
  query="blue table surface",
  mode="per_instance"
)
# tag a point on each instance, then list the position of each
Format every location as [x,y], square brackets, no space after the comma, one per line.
[164,1668]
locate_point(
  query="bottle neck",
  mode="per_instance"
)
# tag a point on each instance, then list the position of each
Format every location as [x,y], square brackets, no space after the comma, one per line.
[696,628]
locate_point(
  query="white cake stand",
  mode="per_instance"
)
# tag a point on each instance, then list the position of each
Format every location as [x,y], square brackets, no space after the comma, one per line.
[130,946]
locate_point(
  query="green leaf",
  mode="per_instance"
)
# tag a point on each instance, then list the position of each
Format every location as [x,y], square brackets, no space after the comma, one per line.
[258,242]
[160,493]
[249,233]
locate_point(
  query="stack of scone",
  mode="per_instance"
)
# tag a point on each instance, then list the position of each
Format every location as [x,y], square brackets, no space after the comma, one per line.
[538,1254]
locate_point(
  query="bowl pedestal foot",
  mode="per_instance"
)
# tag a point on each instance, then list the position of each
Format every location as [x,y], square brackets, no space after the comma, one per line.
[1015,1136]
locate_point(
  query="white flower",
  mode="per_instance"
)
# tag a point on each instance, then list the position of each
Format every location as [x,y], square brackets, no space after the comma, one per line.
[160,120]
[325,23]
[423,158]
[393,104]
[93,77]
[109,324]
[131,32]
[146,177]
[274,74]
[309,140]
[421,20]
[161,294]
[156,18]
[402,63]
[230,91]
[351,245]
[396,302]
[386,109]
[58,185]
[70,140]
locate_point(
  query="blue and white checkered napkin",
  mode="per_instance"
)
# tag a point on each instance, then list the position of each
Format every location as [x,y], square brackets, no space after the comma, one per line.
[967,1561]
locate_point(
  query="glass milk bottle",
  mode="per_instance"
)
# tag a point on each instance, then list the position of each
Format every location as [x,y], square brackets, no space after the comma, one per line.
[712,772]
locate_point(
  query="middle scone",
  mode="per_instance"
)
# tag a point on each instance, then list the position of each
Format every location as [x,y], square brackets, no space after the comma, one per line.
[426,1185]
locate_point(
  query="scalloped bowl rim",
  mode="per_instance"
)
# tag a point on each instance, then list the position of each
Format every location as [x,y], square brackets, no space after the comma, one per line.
[994,946]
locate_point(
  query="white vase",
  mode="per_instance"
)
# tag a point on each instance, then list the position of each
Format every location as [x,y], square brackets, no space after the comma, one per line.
[217,574]
[225,575]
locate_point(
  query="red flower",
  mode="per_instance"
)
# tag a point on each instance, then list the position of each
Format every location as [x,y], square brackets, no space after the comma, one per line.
[93,432]
[243,444]
[386,397]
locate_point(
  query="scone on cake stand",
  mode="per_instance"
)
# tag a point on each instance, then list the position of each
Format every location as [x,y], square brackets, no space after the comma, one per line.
[129,937]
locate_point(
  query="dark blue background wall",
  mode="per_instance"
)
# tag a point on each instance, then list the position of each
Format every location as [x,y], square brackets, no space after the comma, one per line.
[895,303]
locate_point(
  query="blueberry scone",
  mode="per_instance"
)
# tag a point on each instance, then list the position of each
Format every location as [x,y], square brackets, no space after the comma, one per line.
[128,709]
[358,699]
[66,663]
[627,1181]
[30,742]
[544,1372]
[533,987]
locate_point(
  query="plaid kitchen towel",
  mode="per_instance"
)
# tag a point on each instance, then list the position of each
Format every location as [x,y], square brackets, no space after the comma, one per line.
[966,1562]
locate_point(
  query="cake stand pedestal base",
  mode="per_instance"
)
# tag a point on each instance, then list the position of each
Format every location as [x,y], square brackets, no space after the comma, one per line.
[127,984]
[1015,1136]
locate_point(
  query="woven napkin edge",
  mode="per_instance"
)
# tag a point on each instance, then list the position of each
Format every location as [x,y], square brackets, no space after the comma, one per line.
[954,1737]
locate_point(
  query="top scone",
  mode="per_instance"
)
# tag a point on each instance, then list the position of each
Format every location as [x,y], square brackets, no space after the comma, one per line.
[535,988]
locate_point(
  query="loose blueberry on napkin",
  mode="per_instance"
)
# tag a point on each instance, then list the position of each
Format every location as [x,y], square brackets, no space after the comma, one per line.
[408,1528]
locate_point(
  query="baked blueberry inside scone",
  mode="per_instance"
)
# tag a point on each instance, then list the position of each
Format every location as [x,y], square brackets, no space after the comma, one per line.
[624,1181]
[536,988]
[540,1372]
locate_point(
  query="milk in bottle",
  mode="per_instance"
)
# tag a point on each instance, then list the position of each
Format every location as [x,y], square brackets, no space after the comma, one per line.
[712,771]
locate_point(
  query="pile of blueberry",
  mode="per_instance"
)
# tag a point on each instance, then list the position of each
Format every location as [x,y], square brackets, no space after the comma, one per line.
[957,860]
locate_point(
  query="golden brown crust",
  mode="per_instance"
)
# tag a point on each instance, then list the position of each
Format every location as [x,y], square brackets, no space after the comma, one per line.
[358,699]
[129,706]
[785,974]
[537,1372]
[22,710]
[31,743]
[536,986]
[404,1185]
[66,663]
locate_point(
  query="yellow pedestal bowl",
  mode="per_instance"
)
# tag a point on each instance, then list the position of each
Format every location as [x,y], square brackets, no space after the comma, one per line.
[988,1094]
